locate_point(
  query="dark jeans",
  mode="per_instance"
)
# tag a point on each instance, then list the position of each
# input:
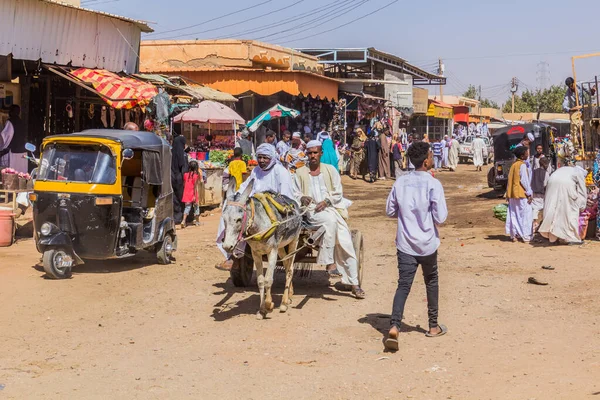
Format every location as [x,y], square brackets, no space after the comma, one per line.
[407,267]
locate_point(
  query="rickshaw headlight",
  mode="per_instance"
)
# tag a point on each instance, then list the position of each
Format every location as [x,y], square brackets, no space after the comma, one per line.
[46,229]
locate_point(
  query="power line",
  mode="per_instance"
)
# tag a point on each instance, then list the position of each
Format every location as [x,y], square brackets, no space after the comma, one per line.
[335,15]
[237,23]
[210,20]
[346,24]
[513,55]
[312,12]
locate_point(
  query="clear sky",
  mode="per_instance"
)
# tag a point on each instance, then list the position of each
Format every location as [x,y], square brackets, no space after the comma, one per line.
[482,42]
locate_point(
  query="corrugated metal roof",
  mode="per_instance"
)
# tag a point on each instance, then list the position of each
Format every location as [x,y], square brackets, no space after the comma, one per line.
[60,34]
[140,24]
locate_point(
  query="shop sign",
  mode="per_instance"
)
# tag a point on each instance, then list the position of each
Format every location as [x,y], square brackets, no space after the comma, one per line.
[439,112]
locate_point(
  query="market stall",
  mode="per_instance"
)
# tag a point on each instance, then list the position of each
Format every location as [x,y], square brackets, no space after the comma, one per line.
[211,128]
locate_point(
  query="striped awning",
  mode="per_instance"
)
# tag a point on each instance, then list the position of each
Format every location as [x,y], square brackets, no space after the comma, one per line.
[117,91]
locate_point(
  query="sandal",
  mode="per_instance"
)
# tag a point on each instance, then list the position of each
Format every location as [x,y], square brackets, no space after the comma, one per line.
[534,281]
[333,273]
[359,293]
[391,342]
[442,333]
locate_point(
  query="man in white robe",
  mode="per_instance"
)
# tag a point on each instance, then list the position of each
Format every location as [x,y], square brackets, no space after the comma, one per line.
[445,152]
[319,187]
[479,152]
[269,176]
[566,197]
[453,148]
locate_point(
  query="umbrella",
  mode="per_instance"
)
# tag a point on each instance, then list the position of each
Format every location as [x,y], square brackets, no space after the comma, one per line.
[277,111]
[209,111]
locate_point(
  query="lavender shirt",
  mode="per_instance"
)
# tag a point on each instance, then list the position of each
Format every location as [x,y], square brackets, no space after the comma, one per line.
[417,200]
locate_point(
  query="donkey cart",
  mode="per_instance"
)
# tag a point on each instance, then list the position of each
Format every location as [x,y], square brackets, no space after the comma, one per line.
[241,271]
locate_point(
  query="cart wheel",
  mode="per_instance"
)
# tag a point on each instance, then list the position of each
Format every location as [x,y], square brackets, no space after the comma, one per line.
[241,270]
[57,264]
[165,250]
[359,248]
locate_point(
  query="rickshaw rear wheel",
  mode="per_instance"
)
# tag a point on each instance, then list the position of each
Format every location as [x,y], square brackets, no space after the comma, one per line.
[54,267]
[165,250]
[359,248]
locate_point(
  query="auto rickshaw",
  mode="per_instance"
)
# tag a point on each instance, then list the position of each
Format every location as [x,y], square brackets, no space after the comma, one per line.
[102,194]
[506,139]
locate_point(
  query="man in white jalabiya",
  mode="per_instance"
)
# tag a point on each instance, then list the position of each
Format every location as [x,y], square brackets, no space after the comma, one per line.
[445,151]
[269,176]
[479,152]
[453,147]
[319,187]
[566,196]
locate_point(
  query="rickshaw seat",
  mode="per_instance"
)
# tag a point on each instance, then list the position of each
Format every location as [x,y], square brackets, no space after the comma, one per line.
[133,191]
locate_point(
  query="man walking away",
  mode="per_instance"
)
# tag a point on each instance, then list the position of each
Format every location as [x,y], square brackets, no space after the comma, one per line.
[436,146]
[453,148]
[479,152]
[444,151]
[417,201]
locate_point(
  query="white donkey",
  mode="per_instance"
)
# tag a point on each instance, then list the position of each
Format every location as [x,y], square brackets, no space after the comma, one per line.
[247,217]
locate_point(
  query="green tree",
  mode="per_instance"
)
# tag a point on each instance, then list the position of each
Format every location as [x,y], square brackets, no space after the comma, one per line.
[546,101]
[487,103]
[472,93]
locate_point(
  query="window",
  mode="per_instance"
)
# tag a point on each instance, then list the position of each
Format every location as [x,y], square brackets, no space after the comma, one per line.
[77,163]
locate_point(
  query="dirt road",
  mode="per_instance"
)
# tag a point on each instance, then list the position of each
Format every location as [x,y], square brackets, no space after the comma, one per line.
[131,329]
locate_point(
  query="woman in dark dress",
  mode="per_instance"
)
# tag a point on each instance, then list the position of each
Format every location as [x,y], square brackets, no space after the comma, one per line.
[372,149]
[179,166]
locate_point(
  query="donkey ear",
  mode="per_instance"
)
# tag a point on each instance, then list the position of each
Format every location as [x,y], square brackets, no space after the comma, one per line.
[231,188]
[247,191]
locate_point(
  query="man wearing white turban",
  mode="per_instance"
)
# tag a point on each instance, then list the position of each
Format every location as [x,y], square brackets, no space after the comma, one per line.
[319,187]
[269,176]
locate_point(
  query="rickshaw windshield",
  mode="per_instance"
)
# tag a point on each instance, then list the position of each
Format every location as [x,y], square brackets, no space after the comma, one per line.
[77,163]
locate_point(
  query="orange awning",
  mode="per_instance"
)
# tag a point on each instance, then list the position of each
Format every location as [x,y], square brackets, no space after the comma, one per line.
[267,83]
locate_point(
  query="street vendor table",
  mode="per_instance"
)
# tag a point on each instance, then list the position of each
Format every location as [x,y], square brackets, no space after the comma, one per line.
[8,198]
[213,189]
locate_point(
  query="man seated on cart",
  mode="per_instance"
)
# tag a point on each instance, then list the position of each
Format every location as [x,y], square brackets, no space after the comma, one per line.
[319,187]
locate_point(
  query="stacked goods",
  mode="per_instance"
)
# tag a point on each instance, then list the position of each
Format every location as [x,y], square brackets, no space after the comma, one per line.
[10,179]
[500,212]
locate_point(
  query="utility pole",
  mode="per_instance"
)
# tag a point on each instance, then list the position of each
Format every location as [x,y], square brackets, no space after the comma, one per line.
[441,73]
[513,89]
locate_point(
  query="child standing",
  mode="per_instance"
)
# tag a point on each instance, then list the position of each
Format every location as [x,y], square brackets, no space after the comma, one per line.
[190,193]
[417,201]
[519,218]
[237,167]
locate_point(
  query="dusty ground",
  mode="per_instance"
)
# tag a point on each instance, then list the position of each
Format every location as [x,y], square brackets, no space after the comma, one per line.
[132,329]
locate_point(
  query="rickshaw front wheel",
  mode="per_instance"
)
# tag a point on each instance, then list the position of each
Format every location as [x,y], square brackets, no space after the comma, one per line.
[165,250]
[57,264]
